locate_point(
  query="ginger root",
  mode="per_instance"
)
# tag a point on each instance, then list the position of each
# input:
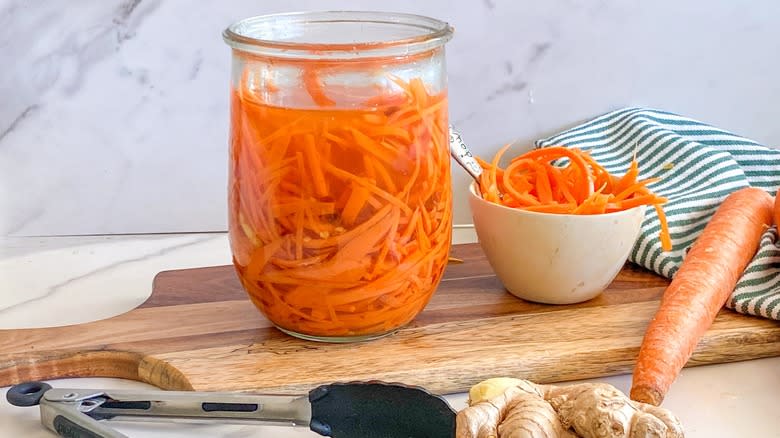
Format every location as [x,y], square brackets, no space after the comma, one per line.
[516,408]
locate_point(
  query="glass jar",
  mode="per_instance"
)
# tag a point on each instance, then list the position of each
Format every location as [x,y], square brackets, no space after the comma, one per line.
[340,200]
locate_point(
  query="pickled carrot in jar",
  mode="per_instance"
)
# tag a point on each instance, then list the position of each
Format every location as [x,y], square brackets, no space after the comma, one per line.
[340,218]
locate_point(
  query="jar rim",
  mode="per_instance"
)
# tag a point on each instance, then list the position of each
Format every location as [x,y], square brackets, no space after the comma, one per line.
[251,35]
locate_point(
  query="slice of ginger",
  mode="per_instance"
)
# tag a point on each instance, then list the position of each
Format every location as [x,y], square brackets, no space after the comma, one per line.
[515,408]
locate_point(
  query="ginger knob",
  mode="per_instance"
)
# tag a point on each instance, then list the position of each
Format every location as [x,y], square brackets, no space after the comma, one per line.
[506,407]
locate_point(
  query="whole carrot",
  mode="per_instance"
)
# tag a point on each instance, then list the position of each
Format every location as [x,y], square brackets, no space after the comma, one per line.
[700,288]
[777,209]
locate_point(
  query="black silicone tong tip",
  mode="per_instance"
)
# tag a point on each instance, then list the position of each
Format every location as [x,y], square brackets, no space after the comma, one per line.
[379,410]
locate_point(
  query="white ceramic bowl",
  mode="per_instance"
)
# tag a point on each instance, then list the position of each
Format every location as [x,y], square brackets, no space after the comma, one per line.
[554,258]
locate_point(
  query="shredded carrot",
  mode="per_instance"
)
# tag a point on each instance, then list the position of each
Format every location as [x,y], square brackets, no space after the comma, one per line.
[357,200]
[340,219]
[313,85]
[699,289]
[536,181]
[313,158]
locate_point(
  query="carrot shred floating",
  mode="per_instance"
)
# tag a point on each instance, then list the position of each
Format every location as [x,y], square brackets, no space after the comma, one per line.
[357,200]
[340,218]
[538,181]
[311,81]
[313,158]
[699,289]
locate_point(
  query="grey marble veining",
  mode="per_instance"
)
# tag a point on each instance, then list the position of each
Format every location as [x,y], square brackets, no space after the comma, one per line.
[114,114]
[105,269]
[84,278]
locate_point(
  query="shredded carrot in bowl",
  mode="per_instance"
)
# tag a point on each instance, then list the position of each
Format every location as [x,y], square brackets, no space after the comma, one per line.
[340,219]
[561,180]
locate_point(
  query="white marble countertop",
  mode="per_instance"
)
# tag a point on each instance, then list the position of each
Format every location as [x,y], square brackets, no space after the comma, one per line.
[67,280]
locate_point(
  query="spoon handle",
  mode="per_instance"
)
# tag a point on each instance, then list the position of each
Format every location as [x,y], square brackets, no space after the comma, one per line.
[461,153]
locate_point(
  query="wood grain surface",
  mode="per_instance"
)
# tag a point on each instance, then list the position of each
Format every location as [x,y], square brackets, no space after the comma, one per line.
[198,330]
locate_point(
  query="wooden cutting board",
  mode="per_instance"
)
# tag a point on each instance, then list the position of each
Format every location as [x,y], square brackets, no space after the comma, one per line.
[199,331]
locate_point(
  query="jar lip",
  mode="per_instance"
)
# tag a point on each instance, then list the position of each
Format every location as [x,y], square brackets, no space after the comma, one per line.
[432,33]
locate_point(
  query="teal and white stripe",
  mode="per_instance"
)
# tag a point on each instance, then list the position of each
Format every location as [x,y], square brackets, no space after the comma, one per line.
[758,291]
[699,165]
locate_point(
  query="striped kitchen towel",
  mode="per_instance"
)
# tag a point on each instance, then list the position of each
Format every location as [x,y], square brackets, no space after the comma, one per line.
[699,165]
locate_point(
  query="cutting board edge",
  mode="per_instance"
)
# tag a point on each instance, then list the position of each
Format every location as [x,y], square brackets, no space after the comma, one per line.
[462,382]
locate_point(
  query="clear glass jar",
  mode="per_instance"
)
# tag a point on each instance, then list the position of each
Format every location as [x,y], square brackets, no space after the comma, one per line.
[340,199]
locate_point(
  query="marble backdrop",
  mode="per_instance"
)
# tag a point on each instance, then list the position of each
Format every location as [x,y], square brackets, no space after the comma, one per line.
[113,114]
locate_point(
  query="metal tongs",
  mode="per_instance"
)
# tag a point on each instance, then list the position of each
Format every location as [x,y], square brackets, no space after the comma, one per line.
[341,410]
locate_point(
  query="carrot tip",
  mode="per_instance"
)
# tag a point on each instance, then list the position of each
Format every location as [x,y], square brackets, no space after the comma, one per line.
[646,394]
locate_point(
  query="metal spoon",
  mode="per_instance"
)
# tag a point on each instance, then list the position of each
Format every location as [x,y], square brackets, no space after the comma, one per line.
[461,153]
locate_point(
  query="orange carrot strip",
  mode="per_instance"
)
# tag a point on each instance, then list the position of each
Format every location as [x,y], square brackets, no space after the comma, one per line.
[413,178]
[385,177]
[635,187]
[285,263]
[371,187]
[422,236]
[260,256]
[410,227]
[392,236]
[509,183]
[315,166]
[699,290]
[350,262]
[425,219]
[299,233]
[629,178]
[418,91]
[290,207]
[342,239]
[600,175]
[382,285]
[366,243]
[490,185]
[561,184]
[313,86]
[374,203]
[357,200]
[543,189]
[577,157]
[278,298]
[372,147]
[331,311]
[666,238]
[346,273]
[284,131]
[369,167]
[336,139]
[484,164]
